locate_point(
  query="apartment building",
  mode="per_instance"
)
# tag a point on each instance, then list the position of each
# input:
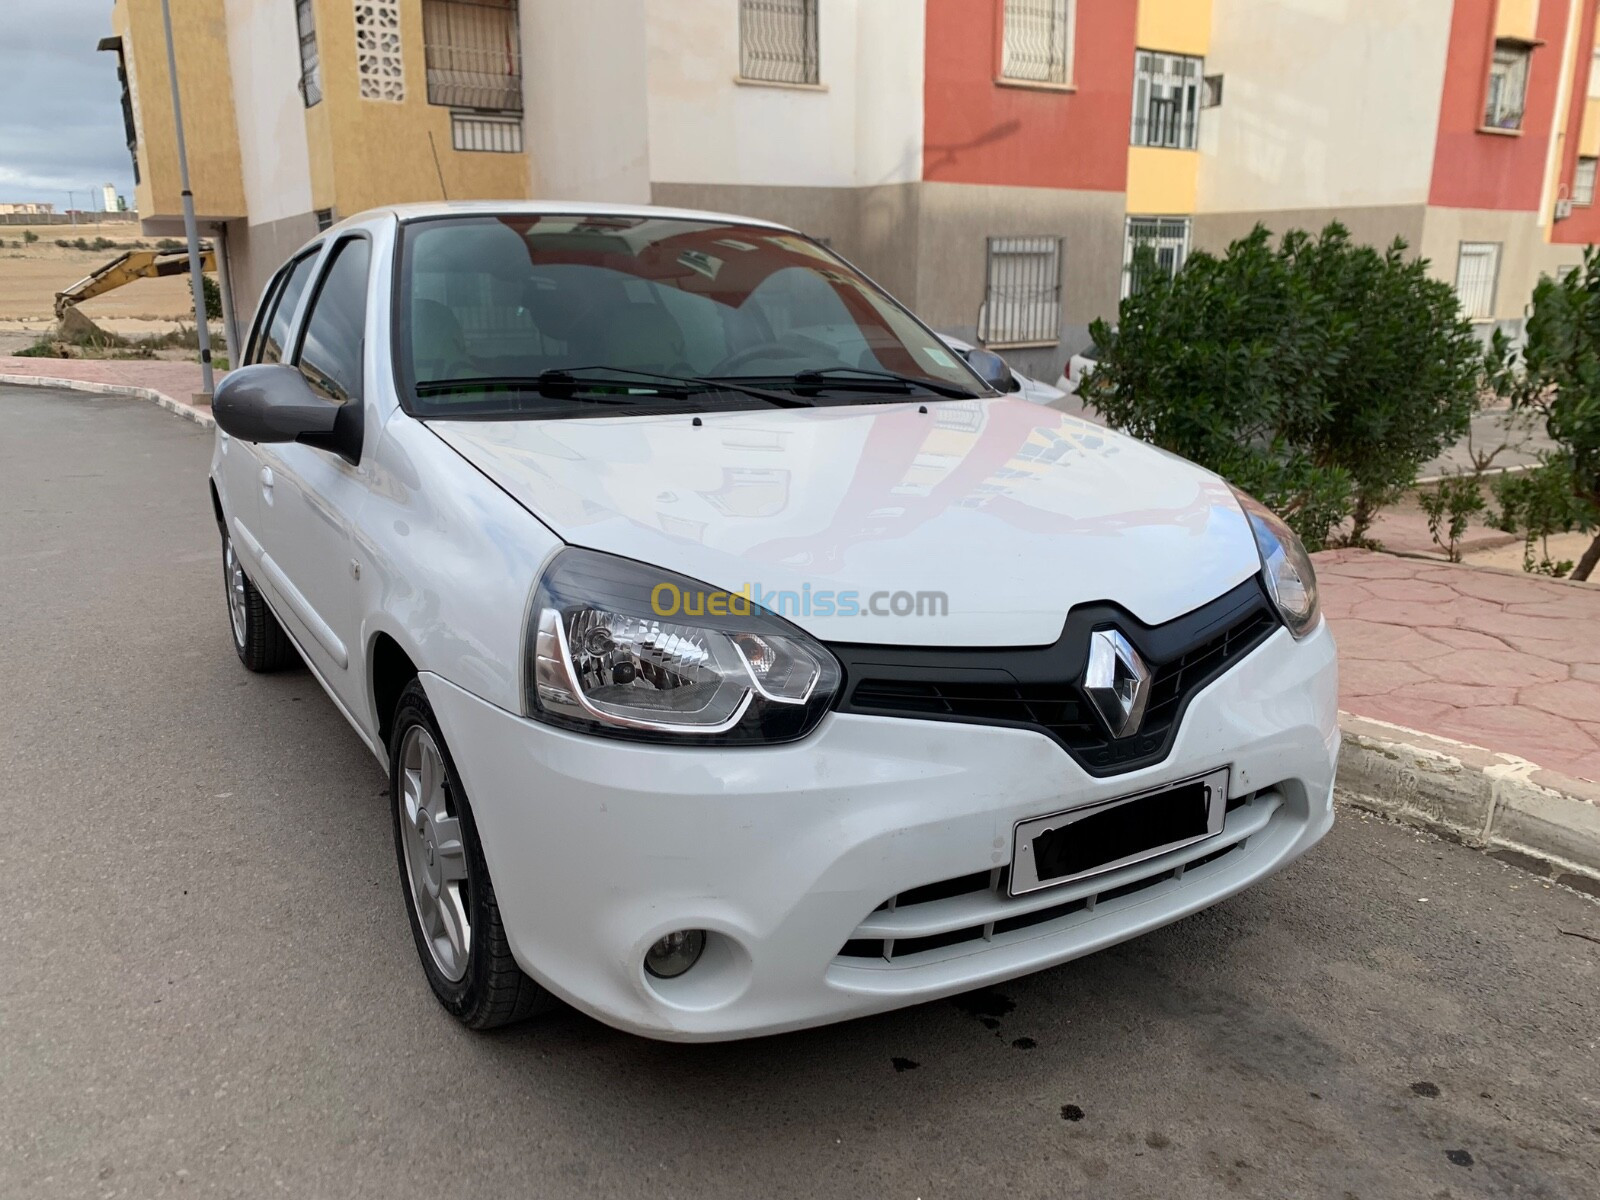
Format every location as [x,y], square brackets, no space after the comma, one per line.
[992,162]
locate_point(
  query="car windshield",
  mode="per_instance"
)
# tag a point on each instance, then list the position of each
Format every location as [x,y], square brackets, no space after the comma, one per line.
[656,310]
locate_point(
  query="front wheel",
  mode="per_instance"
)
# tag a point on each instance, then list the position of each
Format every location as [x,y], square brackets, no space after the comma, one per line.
[450,900]
[258,639]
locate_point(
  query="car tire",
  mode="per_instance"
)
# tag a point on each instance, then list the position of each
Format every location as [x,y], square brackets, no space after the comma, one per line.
[258,639]
[450,900]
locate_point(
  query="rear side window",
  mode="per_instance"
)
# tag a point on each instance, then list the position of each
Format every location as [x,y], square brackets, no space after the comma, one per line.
[330,352]
[275,344]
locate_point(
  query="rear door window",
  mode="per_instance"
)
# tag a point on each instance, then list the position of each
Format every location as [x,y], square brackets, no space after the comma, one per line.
[275,344]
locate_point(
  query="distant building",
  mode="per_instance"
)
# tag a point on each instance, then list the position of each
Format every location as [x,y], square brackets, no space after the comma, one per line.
[108,198]
[995,163]
[39,210]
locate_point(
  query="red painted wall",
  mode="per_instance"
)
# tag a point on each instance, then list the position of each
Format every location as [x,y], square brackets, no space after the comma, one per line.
[976,131]
[1486,170]
[1583,226]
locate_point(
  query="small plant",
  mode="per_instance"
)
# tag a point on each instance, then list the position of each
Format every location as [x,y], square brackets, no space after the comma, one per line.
[1537,504]
[103,243]
[29,236]
[1451,504]
[64,244]
[169,244]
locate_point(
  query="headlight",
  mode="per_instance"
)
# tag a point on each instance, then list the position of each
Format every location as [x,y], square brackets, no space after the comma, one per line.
[619,648]
[1285,565]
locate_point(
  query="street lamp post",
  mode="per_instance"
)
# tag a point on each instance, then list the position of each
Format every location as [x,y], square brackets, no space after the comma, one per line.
[201,329]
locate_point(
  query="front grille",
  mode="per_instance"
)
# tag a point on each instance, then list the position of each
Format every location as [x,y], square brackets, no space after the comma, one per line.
[1038,687]
[976,908]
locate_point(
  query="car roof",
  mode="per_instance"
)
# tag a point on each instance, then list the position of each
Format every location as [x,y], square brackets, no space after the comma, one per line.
[574,208]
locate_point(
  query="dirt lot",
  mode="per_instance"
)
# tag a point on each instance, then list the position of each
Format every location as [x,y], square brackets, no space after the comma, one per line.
[31,275]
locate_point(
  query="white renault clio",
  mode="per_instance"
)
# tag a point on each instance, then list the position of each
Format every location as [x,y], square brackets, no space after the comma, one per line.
[740,659]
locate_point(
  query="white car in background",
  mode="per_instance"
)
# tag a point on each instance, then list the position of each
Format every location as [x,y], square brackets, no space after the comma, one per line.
[1034,391]
[739,658]
[1079,367]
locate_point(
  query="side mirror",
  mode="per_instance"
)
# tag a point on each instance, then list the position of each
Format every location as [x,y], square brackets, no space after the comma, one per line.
[992,369]
[271,402]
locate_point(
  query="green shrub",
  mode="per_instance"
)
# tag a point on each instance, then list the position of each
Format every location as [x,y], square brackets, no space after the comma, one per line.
[29,236]
[1450,506]
[1555,376]
[213,298]
[64,244]
[1318,374]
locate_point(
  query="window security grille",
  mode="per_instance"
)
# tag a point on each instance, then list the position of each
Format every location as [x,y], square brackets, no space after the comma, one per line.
[1038,41]
[474,54]
[778,41]
[1477,274]
[1508,85]
[310,68]
[478,131]
[1022,299]
[1166,239]
[379,65]
[1583,182]
[1166,100]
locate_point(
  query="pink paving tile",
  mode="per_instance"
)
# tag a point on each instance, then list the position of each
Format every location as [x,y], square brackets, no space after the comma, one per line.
[1409,589]
[1466,639]
[1576,699]
[1411,613]
[1360,638]
[1456,695]
[1587,671]
[1363,564]
[1536,735]
[1505,588]
[1362,677]
[1582,646]
[1495,668]
[1413,714]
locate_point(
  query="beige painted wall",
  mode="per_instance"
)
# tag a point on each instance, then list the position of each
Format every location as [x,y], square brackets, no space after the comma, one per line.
[1326,104]
[586,99]
[1373,226]
[1524,255]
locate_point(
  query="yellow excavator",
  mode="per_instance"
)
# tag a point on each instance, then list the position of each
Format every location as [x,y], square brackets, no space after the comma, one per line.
[125,268]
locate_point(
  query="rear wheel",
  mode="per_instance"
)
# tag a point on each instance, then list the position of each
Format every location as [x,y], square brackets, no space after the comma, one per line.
[258,639]
[450,900]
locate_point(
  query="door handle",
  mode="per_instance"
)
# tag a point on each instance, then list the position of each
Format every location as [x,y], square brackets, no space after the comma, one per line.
[266,478]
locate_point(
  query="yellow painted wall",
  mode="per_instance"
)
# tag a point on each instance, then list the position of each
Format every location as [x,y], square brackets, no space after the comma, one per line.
[1517,19]
[1162,182]
[211,135]
[368,153]
[1176,26]
[1589,139]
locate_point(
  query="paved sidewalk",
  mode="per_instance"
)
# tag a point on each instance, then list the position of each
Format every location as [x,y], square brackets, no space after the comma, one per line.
[1502,660]
[172,385]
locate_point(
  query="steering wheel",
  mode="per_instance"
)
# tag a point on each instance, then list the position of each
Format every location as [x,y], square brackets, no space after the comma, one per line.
[754,353]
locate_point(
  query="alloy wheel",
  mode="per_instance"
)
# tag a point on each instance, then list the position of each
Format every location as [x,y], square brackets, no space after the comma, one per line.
[436,858]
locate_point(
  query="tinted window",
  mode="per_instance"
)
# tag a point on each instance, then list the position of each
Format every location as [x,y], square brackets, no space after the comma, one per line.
[330,353]
[259,328]
[274,346]
[489,301]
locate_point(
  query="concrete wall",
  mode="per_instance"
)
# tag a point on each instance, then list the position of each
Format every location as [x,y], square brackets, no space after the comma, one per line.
[1375,226]
[264,57]
[586,99]
[255,252]
[1326,104]
[1524,255]
[860,126]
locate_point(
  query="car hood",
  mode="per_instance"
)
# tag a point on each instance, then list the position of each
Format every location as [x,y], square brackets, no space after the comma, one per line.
[1012,512]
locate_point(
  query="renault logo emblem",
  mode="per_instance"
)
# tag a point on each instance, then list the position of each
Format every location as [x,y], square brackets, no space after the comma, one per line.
[1116,681]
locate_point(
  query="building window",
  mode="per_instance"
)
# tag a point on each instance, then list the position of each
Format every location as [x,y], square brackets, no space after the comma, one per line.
[1477,274]
[1022,296]
[1037,42]
[1153,248]
[324,219]
[778,41]
[1508,86]
[474,54]
[379,65]
[310,68]
[479,131]
[1583,182]
[1166,99]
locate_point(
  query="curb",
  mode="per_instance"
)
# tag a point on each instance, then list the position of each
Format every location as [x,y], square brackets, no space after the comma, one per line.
[187,411]
[1511,808]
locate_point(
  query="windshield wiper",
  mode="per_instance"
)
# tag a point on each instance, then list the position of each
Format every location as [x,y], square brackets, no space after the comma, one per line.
[818,377]
[573,383]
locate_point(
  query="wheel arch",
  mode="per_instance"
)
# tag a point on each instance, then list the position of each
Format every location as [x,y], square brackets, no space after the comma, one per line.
[390,668]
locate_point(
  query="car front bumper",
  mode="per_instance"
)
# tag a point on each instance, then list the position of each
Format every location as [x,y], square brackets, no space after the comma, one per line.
[784,854]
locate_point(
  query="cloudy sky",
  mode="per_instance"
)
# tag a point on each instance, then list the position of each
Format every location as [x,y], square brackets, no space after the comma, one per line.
[62,123]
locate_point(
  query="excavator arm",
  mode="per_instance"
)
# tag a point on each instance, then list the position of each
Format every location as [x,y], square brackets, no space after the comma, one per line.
[125,268]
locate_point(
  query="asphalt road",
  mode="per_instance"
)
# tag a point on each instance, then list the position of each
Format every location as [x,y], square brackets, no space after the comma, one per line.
[207,986]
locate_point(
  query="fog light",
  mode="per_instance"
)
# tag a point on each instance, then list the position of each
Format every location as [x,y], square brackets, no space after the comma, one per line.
[675,953]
